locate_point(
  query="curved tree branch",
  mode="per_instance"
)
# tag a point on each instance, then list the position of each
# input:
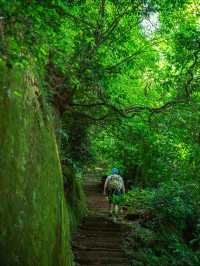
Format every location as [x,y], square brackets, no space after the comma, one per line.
[129,112]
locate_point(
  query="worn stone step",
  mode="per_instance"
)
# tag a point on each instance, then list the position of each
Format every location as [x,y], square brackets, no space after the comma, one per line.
[103,227]
[95,253]
[86,248]
[97,264]
[100,221]
[100,228]
[103,235]
[105,264]
[93,243]
[101,260]
[93,237]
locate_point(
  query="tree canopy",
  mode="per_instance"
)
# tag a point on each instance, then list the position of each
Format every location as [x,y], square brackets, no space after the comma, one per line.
[123,80]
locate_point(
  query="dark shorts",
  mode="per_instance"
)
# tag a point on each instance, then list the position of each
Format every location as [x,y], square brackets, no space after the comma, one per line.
[113,195]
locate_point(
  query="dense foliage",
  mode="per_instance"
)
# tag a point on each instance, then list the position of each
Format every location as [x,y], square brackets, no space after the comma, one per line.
[166,224]
[123,78]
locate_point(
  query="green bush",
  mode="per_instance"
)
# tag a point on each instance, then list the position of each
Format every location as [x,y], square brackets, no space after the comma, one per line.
[171,213]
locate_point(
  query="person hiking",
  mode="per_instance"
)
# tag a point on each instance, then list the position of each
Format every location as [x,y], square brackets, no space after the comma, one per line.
[113,187]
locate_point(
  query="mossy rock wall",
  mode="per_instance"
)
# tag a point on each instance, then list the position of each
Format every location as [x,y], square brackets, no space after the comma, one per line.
[74,196]
[34,221]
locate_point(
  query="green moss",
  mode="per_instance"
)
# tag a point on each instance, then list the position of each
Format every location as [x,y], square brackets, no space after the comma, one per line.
[75,198]
[35,228]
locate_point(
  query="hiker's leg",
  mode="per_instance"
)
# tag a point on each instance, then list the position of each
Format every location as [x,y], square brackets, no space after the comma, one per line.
[115,212]
[111,202]
[111,207]
[117,202]
[120,210]
[116,208]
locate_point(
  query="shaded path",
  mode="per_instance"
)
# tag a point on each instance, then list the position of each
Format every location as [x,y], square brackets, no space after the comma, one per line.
[98,240]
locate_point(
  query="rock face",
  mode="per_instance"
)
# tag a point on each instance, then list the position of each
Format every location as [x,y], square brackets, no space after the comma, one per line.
[34,219]
[99,239]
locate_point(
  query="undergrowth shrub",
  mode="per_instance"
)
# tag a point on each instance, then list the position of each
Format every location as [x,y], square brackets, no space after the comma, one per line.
[166,229]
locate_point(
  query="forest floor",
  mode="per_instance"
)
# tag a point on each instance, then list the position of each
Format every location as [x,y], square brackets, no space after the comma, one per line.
[99,239]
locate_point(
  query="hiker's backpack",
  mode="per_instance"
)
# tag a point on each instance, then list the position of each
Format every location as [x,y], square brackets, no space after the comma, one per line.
[115,183]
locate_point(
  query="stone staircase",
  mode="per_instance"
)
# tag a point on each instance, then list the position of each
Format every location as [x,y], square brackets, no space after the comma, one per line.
[99,240]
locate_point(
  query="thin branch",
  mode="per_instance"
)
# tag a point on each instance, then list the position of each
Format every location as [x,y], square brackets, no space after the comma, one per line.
[112,27]
[99,24]
[88,105]
[96,119]
[132,56]
[102,8]
[127,59]
[77,19]
[167,105]
[80,20]
[191,74]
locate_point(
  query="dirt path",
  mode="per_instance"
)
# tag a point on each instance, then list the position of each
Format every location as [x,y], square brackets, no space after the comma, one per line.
[99,239]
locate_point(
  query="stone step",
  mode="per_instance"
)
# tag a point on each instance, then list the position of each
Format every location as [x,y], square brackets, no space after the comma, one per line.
[100,257]
[100,221]
[106,237]
[97,264]
[99,253]
[94,248]
[99,227]
[102,261]
[93,237]
[93,243]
